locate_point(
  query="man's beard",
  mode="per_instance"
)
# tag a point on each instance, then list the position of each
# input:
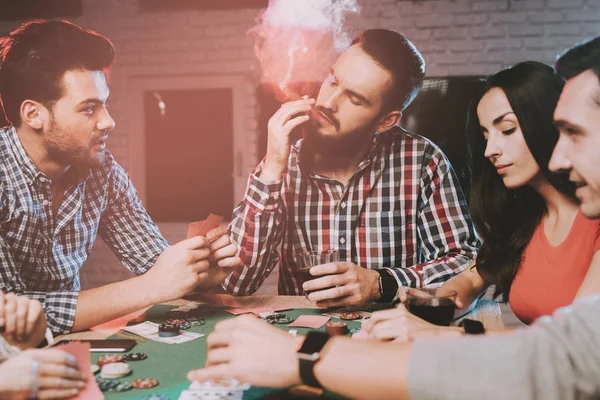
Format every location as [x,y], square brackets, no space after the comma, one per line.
[65,150]
[334,144]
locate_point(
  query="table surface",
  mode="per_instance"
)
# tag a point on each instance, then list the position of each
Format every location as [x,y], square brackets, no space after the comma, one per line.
[169,363]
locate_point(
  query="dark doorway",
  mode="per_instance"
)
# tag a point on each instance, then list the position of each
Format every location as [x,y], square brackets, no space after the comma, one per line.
[189,154]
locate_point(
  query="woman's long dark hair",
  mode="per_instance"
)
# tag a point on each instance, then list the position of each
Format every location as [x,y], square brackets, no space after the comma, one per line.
[506,219]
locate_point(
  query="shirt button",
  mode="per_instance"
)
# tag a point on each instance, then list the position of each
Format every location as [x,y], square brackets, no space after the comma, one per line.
[45,202]
[343,204]
[342,240]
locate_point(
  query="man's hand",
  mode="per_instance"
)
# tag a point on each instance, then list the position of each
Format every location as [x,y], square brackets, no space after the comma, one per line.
[178,270]
[223,252]
[280,126]
[23,320]
[399,325]
[342,284]
[57,375]
[252,351]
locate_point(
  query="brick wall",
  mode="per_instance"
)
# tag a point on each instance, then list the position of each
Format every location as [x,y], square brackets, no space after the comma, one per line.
[457,37]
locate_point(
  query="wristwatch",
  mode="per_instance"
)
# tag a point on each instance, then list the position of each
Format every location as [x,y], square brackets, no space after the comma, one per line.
[472,327]
[388,286]
[309,354]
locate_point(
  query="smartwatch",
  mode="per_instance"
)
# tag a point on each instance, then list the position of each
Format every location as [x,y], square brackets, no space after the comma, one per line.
[388,286]
[472,327]
[309,354]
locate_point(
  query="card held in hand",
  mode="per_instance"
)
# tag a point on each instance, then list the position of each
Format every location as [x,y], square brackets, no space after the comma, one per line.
[201,228]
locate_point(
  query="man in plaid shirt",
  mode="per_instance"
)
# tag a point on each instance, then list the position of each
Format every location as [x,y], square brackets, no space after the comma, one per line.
[386,199]
[60,188]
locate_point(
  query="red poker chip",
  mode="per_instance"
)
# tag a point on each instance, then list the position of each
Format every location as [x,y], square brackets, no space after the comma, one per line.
[350,316]
[109,359]
[144,383]
[336,328]
[176,321]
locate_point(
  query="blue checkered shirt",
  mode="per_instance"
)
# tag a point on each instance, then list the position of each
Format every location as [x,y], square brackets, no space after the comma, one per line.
[41,254]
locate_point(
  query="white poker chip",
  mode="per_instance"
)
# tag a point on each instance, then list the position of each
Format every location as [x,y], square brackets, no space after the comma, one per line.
[115,370]
[94,368]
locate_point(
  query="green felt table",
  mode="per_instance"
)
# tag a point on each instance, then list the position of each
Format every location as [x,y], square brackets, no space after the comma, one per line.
[170,363]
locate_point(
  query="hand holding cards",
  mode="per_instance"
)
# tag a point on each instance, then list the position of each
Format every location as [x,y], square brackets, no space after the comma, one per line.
[201,228]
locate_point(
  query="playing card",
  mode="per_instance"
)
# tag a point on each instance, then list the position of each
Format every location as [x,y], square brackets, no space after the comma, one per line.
[201,228]
[256,310]
[149,330]
[229,389]
[310,321]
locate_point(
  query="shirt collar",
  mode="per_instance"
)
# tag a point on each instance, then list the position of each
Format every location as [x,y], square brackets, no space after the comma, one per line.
[74,175]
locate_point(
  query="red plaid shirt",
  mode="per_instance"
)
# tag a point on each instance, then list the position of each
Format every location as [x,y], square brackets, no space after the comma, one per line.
[403,210]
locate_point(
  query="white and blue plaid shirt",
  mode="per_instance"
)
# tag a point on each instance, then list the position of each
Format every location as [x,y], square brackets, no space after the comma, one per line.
[41,254]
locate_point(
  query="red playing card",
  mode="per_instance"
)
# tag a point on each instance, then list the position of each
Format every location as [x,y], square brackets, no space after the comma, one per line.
[194,229]
[210,223]
[310,321]
[201,228]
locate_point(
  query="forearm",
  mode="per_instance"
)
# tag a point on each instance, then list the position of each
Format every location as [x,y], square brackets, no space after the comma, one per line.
[102,304]
[468,285]
[362,370]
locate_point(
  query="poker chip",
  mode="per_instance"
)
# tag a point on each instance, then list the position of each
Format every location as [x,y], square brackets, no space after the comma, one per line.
[135,357]
[336,328]
[121,387]
[278,318]
[94,368]
[350,316]
[177,321]
[155,397]
[115,370]
[196,321]
[176,314]
[109,359]
[283,320]
[168,330]
[144,383]
[107,384]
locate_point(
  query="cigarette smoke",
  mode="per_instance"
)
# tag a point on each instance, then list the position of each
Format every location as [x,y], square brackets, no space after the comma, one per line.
[297,42]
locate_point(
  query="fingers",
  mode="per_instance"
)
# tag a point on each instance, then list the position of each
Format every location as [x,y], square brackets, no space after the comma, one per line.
[225,252]
[220,241]
[200,266]
[329,269]
[389,330]
[35,317]
[10,314]
[199,254]
[54,356]
[21,321]
[52,370]
[216,232]
[231,262]
[385,315]
[51,394]
[219,355]
[196,242]
[335,292]
[214,372]
[324,282]
[54,382]
[343,301]
[291,124]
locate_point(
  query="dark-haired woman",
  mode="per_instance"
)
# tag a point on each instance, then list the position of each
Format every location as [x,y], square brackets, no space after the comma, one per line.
[538,249]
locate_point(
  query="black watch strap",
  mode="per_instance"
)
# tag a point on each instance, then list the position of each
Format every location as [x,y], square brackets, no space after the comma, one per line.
[388,286]
[472,327]
[308,355]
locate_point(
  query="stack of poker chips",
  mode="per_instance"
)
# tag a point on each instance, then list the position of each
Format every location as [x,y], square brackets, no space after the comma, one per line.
[278,318]
[168,330]
[115,370]
[335,328]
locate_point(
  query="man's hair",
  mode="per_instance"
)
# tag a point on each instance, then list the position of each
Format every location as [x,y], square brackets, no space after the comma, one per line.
[395,53]
[580,58]
[35,57]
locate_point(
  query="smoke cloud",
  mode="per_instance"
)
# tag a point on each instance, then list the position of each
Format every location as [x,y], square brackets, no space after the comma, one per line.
[297,42]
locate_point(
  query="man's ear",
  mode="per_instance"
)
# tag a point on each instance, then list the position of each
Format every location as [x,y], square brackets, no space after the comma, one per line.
[34,114]
[388,120]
